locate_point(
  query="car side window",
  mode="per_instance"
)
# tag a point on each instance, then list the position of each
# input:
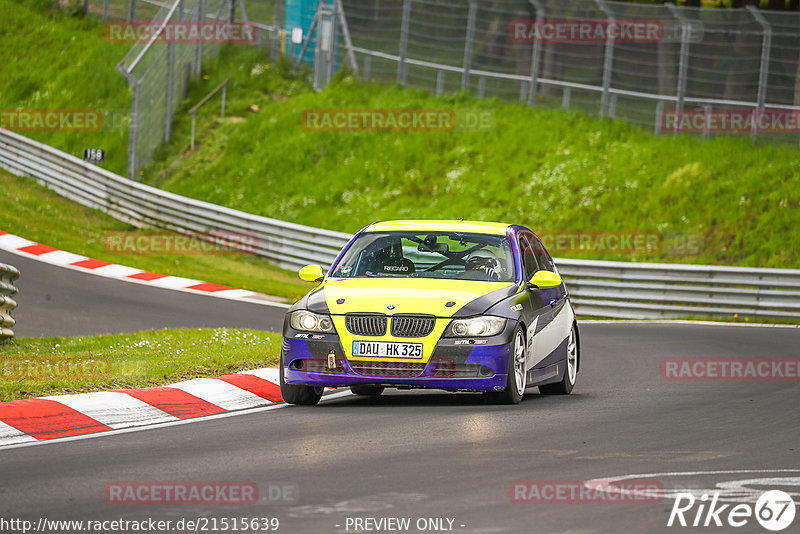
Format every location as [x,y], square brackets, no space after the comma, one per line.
[542,256]
[528,257]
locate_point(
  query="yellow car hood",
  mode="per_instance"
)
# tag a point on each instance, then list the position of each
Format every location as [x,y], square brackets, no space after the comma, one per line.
[407,295]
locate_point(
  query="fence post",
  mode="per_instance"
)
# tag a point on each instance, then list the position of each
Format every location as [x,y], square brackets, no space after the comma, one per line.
[473,8]
[170,80]
[439,82]
[132,11]
[401,63]
[367,67]
[565,96]
[481,86]
[276,51]
[198,51]
[232,11]
[134,128]
[659,114]
[536,54]
[683,63]
[608,60]
[763,72]
[105,10]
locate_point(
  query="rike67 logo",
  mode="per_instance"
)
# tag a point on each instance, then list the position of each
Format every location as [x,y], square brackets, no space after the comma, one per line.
[774,511]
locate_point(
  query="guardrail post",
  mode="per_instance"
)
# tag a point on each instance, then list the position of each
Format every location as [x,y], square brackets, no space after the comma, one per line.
[659,114]
[473,8]
[608,60]
[401,63]
[706,121]
[763,72]
[536,54]
[683,63]
[367,67]
[439,82]
[565,96]
[481,86]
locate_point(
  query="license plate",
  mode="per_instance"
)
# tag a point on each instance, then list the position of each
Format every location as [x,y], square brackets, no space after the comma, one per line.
[387,349]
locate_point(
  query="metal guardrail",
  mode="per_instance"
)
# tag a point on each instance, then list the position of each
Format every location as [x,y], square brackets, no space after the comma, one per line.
[7,290]
[598,288]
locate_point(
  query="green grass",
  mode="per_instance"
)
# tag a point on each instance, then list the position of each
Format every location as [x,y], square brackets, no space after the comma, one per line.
[549,169]
[51,60]
[33,367]
[33,212]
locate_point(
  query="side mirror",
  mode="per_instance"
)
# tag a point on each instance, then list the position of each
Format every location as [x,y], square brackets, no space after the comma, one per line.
[311,273]
[545,280]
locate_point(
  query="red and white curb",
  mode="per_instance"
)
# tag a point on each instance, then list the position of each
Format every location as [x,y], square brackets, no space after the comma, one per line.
[24,247]
[46,418]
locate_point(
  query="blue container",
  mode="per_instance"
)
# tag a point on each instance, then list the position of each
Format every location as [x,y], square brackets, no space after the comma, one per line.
[299,14]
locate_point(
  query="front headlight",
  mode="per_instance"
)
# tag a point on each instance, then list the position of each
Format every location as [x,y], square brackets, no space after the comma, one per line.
[311,322]
[476,327]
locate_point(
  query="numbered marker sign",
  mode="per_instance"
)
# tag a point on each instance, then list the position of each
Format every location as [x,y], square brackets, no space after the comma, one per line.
[94,155]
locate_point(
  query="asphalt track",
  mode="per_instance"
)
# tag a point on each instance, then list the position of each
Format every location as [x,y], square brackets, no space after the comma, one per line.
[415,454]
[55,301]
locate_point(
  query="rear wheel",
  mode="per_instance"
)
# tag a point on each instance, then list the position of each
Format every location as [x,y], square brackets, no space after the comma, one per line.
[368,390]
[298,394]
[570,371]
[515,383]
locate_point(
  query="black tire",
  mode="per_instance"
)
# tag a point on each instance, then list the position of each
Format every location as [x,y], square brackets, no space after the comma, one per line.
[368,390]
[297,394]
[512,394]
[570,370]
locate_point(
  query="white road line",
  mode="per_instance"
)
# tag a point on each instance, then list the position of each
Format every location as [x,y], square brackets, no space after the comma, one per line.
[171,423]
[11,436]
[271,374]
[12,242]
[113,409]
[114,271]
[221,393]
[60,257]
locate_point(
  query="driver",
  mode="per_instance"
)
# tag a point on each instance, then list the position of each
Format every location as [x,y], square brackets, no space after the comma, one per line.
[486,261]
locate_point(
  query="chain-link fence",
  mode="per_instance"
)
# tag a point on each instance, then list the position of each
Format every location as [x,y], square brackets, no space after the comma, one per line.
[699,70]
[170,42]
[667,68]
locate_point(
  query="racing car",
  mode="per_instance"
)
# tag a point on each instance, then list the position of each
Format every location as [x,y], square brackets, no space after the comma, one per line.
[453,305]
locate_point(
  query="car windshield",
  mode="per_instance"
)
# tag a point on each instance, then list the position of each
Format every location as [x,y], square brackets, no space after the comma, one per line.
[449,255]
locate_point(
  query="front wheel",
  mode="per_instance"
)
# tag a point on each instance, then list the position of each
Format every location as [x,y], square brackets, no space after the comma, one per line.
[515,383]
[570,371]
[297,394]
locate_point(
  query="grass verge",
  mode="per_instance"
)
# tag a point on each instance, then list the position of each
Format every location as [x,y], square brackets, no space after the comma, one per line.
[33,367]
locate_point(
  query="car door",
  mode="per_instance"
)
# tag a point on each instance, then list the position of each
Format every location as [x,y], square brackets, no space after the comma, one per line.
[538,309]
